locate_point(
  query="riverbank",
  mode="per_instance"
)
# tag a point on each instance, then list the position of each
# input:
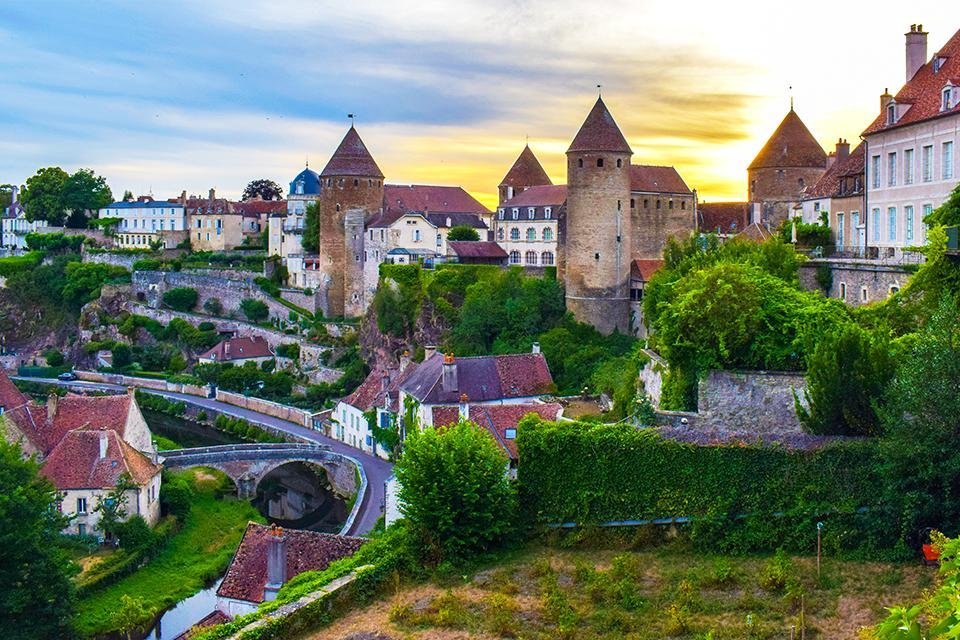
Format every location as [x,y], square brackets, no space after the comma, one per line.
[194,557]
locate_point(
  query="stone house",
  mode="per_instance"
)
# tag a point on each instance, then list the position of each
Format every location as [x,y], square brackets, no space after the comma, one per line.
[526,225]
[912,146]
[838,195]
[213,223]
[238,351]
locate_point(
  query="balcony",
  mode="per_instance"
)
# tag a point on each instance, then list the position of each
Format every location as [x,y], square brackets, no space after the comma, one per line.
[291,228]
[856,253]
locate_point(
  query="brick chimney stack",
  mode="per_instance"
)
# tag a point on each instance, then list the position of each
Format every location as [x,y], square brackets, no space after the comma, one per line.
[276,562]
[14,195]
[449,378]
[916,49]
[213,194]
[843,149]
[103,443]
[52,401]
[885,99]
[464,409]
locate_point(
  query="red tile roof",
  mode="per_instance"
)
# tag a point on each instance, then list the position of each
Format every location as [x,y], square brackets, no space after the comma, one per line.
[75,461]
[423,198]
[239,349]
[352,159]
[10,396]
[829,183]
[497,418]
[526,171]
[644,269]
[468,249]
[539,196]
[212,619]
[754,232]
[261,207]
[791,145]
[370,393]
[923,91]
[482,378]
[723,217]
[305,550]
[654,179]
[599,132]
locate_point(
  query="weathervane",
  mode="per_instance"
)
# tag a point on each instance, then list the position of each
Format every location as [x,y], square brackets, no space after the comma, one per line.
[791,97]
[599,90]
[352,117]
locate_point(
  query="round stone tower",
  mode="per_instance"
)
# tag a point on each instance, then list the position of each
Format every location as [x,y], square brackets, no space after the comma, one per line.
[353,182]
[597,235]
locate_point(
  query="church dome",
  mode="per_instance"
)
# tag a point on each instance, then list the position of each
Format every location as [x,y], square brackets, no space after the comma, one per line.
[307,183]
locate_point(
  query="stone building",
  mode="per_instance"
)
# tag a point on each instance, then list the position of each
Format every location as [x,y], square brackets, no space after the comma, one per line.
[213,223]
[526,172]
[351,193]
[838,196]
[285,232]
[526,225]
[597,251]
[788,163]
[14,225]
[661,206]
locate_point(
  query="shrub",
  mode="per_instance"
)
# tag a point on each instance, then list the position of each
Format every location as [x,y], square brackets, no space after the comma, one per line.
[213,306]
[289,350]
[181,298]
[463,232]
[206,326]
[776,573]
[54,358]
[134,534]
[255,310]
[176,495]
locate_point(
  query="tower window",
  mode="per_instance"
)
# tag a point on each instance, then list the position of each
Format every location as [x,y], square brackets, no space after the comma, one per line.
[670,204]
[633,203]
[619,163]
[683,204]
[599,162]
[658,204]
[338,206]
[646,203]
[619,205]
[596,256]
[580,163]
[356,182]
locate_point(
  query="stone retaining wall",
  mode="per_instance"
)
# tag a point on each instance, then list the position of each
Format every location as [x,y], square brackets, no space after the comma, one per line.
[273,409]
[143,383]
[760,402]
[856,282]
[124,260]
[652,376]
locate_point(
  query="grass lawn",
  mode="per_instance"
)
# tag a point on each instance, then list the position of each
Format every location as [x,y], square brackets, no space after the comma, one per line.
[165,444]
[667,592]
[193,558]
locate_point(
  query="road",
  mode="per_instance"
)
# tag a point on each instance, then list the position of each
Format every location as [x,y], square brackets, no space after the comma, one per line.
[377,470]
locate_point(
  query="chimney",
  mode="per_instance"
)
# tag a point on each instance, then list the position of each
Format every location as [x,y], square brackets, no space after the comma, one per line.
[103,443]
[449,381]
[916,49]
[213,194]
[429,352]
[843,150]
[52,400]
[535,348]
[14,195]
[464,407]
[276,562]
[449,222]
[131,390]
[885,99]
[183,197]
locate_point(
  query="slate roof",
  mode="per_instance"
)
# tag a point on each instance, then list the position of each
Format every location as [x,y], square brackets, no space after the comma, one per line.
[497,418]
[526,171]
[470,249]
[482,378]
[923,91]
[644,269]
[311,183]
[791,145]
[450,220]
[656,179]
[306,551]
[352,159]
[828,185]
[540,196]
[723,217]
[148,204]
[75,461]
[239,349]
[599,132]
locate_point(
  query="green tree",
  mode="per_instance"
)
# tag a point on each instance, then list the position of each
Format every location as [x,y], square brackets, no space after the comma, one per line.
[947,214]
[122,355]
[54,358]
[112,506]
[266,189]
[85,279]
[463,232]
[181,298]
[455,492]
[43,196]
[922,461]
[6,196]
[255,310]
[84,192]
[128,196]
[36,593]
[847,376]
[311,229]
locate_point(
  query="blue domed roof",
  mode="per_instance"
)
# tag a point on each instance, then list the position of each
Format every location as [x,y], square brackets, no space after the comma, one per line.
[308,182]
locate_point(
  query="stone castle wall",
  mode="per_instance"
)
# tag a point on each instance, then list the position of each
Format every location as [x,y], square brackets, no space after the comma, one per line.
[149,287]
[856,282]
[758,402]
[650,226]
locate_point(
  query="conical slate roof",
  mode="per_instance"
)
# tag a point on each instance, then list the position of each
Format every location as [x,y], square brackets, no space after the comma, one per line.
[352,159]
[791,145]
[526,171]
[599,132]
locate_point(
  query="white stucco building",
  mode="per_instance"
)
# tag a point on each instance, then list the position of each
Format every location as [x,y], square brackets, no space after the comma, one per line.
[14,225]
[526,225]
[145,220]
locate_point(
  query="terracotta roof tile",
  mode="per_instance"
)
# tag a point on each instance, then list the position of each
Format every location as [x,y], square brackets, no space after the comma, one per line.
[553,195]
[656,179]
[599,132]
[644,269]
[305,550]
[75,461]
[261,207]
[497,418]
[791,145]
[923,91]
[371,394]
[352,159]
[723,217]
[482,378]
[239,349]
[10,396]
[754,232]
[422,198]
[828,185]
[482,249]
[526,171]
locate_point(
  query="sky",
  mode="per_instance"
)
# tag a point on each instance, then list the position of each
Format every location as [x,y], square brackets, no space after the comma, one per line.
[161,97]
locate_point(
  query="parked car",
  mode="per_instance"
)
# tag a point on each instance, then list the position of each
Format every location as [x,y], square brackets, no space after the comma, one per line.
[67,376]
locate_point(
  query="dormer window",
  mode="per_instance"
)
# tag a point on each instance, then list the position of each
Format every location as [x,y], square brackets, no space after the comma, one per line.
[515,212]
[938,63]
[300,188]
[500,212]
[891,113]
[945,102]
[547,212]
[531,212]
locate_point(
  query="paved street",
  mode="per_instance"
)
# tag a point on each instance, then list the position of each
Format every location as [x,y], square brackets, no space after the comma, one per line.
[377,470]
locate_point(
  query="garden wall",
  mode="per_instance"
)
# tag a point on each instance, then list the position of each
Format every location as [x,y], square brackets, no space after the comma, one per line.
[143,383]
[856,282]
[759,402]
[273,409]
[651,375]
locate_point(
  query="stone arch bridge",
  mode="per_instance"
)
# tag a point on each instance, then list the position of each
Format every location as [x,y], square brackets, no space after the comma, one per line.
[248,464]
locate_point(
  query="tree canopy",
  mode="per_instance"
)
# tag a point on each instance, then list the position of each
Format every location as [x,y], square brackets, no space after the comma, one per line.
[311,229]
[463,232]
[266,189]
[36,593]
[82,192]
[51,193]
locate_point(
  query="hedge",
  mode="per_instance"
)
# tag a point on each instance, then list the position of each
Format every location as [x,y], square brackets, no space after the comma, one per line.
[738,498]
[18,264]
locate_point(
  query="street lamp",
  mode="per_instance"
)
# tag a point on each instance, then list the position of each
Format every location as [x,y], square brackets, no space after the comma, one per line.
[819,530]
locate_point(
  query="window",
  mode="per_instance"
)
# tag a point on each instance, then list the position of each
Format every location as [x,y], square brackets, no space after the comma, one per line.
[531,257]
[81,529]
[500,213]
[683,204]
[947,160]
[439,240]
[646,203]
[511,434]
[875,171]
[531,234]
[945,99]
[416,235]
[670,204]
[843,290]
[500,233]
[599,162]
[863,294]
[927,210]
[548,235]
[546,258]
[839,229]
[633,203]
[892,223]
[580,163]
[547,212]
[516,213]
[892,169]
[658,204]
[926,163]
[514,257]
[81,505]
[891,113]
[515,233]
[908,223]
[619,163]
[531,212]
[908,166]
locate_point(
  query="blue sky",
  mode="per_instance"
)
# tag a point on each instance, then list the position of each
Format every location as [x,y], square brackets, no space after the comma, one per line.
[165,96]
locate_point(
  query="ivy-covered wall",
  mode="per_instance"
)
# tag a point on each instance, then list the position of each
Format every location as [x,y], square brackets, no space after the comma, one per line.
[736,497]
